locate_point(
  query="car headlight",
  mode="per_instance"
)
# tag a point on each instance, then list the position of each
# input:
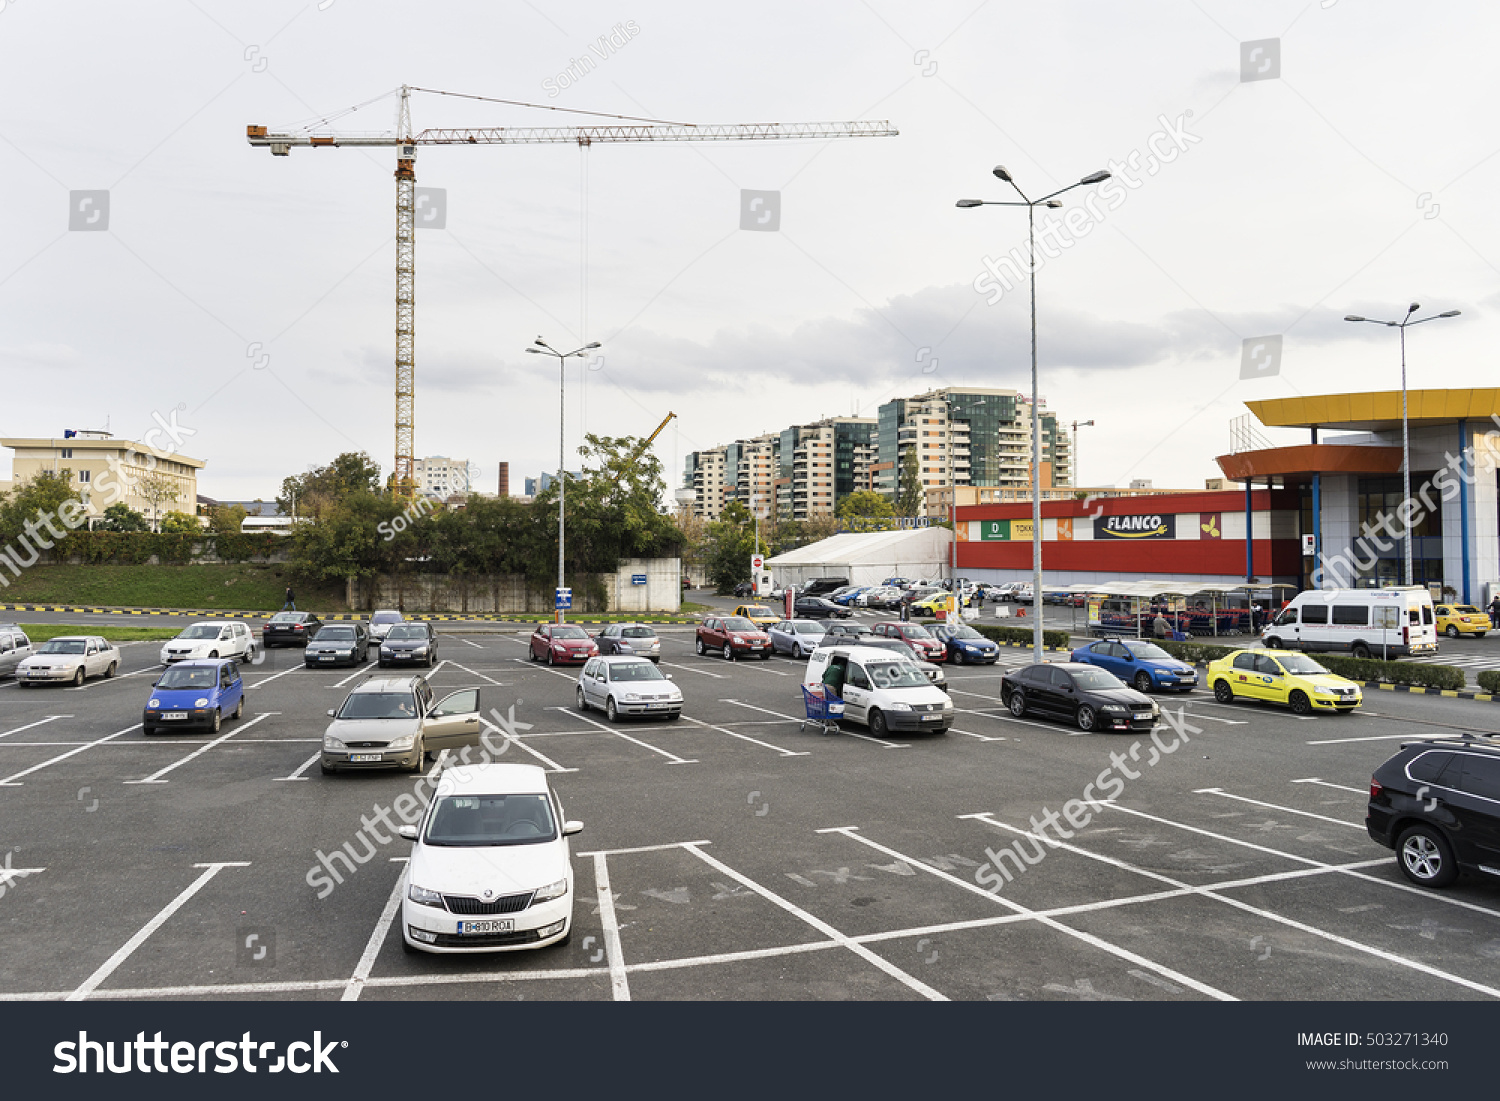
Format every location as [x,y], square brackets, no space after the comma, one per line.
[550,891]
[900,707]
[386,648]
[154,704]
[420,651]
[947,705]
[424,897]
[1321,691]
[1156,710]
[330,742]
[401,743]
[559,647]
[632,696]
[346,653]
[1113,707]
[202,701]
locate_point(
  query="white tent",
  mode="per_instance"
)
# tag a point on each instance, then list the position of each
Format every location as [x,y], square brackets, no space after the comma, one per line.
[866,558]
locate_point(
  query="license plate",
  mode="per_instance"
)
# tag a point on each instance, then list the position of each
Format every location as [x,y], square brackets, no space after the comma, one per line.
[363,758]
[931,718]
[507,926]
[658,706]
[406,656]
[174,715]
[326,657]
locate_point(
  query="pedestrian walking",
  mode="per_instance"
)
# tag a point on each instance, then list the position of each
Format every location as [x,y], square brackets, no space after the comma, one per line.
[1161,627]
[1495,612]
[291,601]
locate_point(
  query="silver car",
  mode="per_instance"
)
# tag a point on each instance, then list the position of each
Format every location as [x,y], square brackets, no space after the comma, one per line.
[627,686]
[797,637]
[15,648]
[629,638]
[393,722]
[72,658]
[382,622]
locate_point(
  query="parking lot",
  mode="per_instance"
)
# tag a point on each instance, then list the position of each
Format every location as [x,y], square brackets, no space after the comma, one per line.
[730,855]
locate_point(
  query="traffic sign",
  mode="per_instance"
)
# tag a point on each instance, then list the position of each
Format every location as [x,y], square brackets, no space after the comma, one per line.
[564,600]
[757,562]
[637,579]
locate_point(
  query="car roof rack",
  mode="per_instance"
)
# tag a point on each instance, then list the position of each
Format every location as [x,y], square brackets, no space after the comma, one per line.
[1488,739]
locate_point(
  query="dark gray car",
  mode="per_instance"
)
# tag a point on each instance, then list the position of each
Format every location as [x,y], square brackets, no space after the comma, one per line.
[338,644]
[408,644]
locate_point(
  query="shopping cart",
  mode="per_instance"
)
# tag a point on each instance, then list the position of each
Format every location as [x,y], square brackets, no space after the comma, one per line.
[824,709]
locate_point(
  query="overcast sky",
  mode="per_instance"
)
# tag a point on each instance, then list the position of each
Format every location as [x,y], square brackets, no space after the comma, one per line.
[255,295]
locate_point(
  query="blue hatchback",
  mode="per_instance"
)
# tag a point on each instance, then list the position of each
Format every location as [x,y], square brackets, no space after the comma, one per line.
[966,646]
[1142,665]
[195,694]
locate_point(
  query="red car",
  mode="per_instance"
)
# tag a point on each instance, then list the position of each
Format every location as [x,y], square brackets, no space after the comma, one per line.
[731,636]
[562,644]
[916,636]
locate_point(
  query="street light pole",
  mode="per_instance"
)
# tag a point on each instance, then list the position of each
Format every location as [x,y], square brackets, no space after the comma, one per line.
[1050,201]
[1076,426]
[1401,326]
[542,348]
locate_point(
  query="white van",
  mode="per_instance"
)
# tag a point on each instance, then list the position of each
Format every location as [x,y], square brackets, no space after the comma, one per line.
[1364,622]
[881,689]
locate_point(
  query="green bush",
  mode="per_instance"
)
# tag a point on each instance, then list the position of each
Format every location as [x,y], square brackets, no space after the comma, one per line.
[1393,672]
[1022,636]
[1196,652]
[1489,680]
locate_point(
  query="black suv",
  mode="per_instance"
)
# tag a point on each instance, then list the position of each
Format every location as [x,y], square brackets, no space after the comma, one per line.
[1437,804]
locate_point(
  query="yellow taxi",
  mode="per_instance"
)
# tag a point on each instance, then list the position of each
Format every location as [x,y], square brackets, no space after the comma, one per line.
[1461,619]
[1282,676]
[758,614]
[934,604]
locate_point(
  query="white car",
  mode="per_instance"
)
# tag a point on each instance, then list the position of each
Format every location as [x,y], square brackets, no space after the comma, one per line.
[490,869]
[382,622]
[620,685]
[214,638]
[69,658]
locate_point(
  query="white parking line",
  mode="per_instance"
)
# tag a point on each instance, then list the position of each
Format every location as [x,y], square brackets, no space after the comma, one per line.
[155,777]
[690,669]
[1326,784]
[866,954]
[39,722]
[1371,738]
[358,672]
[850,733]
[672,758]
[366,964]
[1078,934]
[1274,806]
[472,673]
[618,982]
[1009,718]
[303,767]
[552,766]
[747,738]
[466,642]
[8,876]
[1268,915]
[10,781]
[545,669]
[109,966]
[300,667]
[981,737]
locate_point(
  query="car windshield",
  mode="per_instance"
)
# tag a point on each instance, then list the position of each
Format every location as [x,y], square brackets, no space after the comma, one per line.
[336,634]
[1095,679]
[568,632]
[738,623]
[1466,609]
[807,627]
[62,646]
[188,677]
[406,630]
[637,632]
[916,630]
[757,609]
[287,617]
[201,630]
[891,644]
[491,820]
[635,670]
[897,674]
[963,632]
[1300,664]
[1147,651]
[386,617]
[378,705]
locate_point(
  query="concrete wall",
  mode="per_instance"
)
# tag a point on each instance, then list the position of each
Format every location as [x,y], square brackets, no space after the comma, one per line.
[508,593]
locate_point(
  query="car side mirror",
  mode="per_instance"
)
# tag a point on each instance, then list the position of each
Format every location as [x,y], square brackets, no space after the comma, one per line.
[670,677]
[406,833]
[570,828]
[331,713]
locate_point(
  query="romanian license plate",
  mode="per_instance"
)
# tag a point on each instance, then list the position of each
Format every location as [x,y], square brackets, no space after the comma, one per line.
[173,715]
[657,706]
[325,657]
[363,758]
[468,927]
[931,718]
[403,655]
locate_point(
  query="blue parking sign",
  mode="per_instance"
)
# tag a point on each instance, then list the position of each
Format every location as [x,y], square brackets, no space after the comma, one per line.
[637,579]
[564,600]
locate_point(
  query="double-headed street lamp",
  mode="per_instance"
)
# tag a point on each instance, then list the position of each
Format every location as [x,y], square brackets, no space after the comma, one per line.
[1405,432]
[1036,424]
[542,348]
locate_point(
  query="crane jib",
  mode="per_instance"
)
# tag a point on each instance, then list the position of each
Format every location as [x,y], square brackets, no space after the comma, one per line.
[512,135]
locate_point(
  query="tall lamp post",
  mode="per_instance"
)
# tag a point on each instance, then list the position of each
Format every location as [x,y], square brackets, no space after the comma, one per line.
[1003,174]
[1406,577]
[1076,426]
[542,348]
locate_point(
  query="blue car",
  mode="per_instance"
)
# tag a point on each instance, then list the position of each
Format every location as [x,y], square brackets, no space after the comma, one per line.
[846,599]
[966,646]
[1142,665]
[195,695]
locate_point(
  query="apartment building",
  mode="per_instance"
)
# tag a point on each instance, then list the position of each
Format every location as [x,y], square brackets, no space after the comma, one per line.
[151,479]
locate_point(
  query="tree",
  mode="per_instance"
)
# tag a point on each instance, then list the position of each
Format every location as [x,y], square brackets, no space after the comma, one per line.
[32,502]
[909,495]
[179,523]
[121,517]
[728,546]
[865,510]
[226,519]
[323,487]
[158,489]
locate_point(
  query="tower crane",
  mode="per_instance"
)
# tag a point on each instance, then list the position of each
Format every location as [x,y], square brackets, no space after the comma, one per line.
[406,141]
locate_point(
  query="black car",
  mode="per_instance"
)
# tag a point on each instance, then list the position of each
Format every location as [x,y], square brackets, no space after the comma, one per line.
[744,588]
[289,629]
[1079,693]
[821,586]
[338,644]
[1437,804]
[408,644]
[815,607]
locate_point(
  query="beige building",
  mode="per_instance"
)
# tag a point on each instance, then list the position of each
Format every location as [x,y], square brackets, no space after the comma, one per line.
[105,471]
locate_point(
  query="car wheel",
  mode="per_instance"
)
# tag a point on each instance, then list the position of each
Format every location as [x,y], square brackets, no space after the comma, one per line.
[567,938]
[551,658]
[1222,692]
[326,770]
[78,676]
[148,730]
[1299,703]
[610,712]
[1274,643]
[1143,682]
[421,758]
[583,703]
[1017,703]
[408,947]
[1426,858]
[239,707]
[700,648]
[213,653]
[1087,718]
[218,719]
[765,655]
[728,652]
[1452,631]
[1362,651]
[878,725]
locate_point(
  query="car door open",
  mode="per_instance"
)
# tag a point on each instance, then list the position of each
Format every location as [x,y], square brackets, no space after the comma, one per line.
[453,722]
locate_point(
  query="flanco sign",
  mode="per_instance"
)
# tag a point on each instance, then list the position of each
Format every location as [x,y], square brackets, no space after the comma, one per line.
[1149,526]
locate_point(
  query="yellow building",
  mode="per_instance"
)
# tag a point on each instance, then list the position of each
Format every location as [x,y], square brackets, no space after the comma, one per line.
[151,479]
